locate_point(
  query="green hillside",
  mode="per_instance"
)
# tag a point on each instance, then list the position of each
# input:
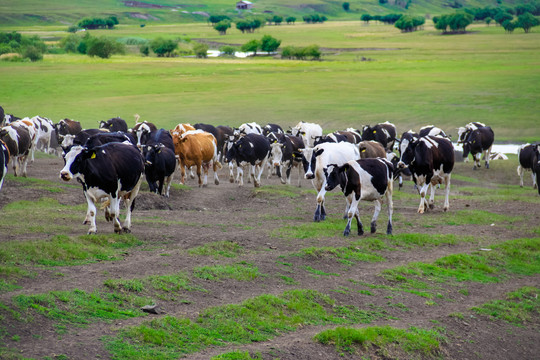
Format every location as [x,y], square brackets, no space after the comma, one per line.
[39,12]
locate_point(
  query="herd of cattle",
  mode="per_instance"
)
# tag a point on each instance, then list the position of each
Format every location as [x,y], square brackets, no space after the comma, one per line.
[110,161]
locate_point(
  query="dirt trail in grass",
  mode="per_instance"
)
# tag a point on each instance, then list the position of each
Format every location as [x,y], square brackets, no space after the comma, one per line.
[263,222]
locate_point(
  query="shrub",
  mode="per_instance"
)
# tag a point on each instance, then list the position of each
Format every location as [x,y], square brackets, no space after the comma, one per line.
[103,47]
[32,53]
[163,47]
[269,44]
[71,43]
[301,53]
[222,26]
[72,29]
[407,23]
[200,50]
[145,49]
[290,19]
[5,49]
[251,46]
[227,50]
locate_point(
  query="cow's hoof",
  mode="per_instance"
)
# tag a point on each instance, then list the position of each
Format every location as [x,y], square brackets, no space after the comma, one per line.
[346,233]
[231,180]
[117,231]
[216,182]
[474,168]
[373,228]
[445,209]
[90,232]
[204,185]
[360,232]
[431,206]
[126,230]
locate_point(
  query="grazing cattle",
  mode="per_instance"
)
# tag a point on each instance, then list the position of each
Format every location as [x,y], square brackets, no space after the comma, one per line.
[431,130]
[160,163]
[352,136]
[398,172]
[463,132]
[7,119]
[44,130]
[431,160]
[371,149]
[248,128]
[182,128]
[357,134]
[384,133]
[66,127]
[160,136]
[252,149]
[330,138]
[81,138]
[18,141]
[109,172]
[315,161]
[141,131]
[197,148]
[114,125]
[307,131]
[364,179]
[272,128]
[4,160]
[528,159]
[102,138]
[286,153]
[478,142]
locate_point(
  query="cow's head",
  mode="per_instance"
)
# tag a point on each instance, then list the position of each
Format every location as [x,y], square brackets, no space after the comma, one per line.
[277,153]
[336,175]
[74,161]
[150,152]
[407,153]
[309,160]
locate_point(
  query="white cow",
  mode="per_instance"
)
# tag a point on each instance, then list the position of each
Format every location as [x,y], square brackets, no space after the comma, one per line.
[316,161]
[44,128]
[308,132]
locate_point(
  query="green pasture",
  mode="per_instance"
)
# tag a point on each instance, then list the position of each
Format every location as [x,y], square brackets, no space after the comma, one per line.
[413,79]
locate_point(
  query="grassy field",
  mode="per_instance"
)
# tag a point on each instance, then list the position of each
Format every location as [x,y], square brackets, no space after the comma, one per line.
[414,79]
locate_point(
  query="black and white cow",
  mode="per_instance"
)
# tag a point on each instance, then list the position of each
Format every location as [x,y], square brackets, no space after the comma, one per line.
[102,138]
[272,128]
[308,132]
[248,128]
[528,161]
[431,161]
[114,125]
[364,179]
[431,130]
[141,131]
[463,132]
[4,160]
[160,163]
[478,142]
[317,159]
[80,139]
[18,141]
[109,172]
[223,135]
[66,127]
[286,154]
[330,138]
[252,149]
[384,133]
[44,129]
[160,136]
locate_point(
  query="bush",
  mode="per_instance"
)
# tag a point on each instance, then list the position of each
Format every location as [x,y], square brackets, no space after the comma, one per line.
[227,50]
[222,26]
[200,50]
[251,46]
[145,49]
[103,47]
[290,19]
[98,23]
[71,43]
[72,29]
[5,49]
[408,23]
[32,53]
[163,47]
[300,53]
[269,44]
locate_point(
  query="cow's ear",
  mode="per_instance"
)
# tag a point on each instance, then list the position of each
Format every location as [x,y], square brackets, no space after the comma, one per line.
[318,152]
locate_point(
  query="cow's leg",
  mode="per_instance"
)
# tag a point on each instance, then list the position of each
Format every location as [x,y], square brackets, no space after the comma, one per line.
[431,203]
[168,181]
[320,204]
[240,175]
[300,175]
[206,168]
[182,174]
[130,205]
[446,192]
[199,174]
[231,172]
[257,182]
[400,182]
[160,185]
[115,213]
[535,181]
[520,172]
[359,224]
[16,166]
[390,204]
[191,174]
[24,163]
[488,155]
[423,202]
[352,200]
[90,213]
[476,158]
[378,207]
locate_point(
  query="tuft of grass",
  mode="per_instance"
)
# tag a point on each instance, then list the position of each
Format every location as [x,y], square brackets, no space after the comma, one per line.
[413,341]
[254,320]
[273,191]
[237,355]
[161,283]
[288,280]
[319,272]
[343,254]
[518,308]
[229,249]
[316,230]
[241,271]
[63,250]
[79,307]
[410,241]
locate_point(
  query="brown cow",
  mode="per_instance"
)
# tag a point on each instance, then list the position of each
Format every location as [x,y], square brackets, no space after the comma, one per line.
[182,128]
[66,127]
[371,149]
[197,148]
[18,141]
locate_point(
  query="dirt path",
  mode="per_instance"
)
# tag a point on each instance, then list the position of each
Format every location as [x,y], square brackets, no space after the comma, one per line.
[195,216]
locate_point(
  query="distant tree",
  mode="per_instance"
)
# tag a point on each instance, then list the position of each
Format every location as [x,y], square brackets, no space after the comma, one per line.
[390,18]
[366,18]
[200,50]
[251,46]
[290,20]
[223,26]
[70,43]
[502,16]
[163,47]
[72,29]
[488,20]
[382,2]
[249,25]
[227,50]
[313,51]
[509,26]
[459,21]
[526,21]
[98,23]
[32,53]
[214,19]
[301,53]
[315,18]
[269,44]
[103,47]
[346,6]
[277,19]
[407,23]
